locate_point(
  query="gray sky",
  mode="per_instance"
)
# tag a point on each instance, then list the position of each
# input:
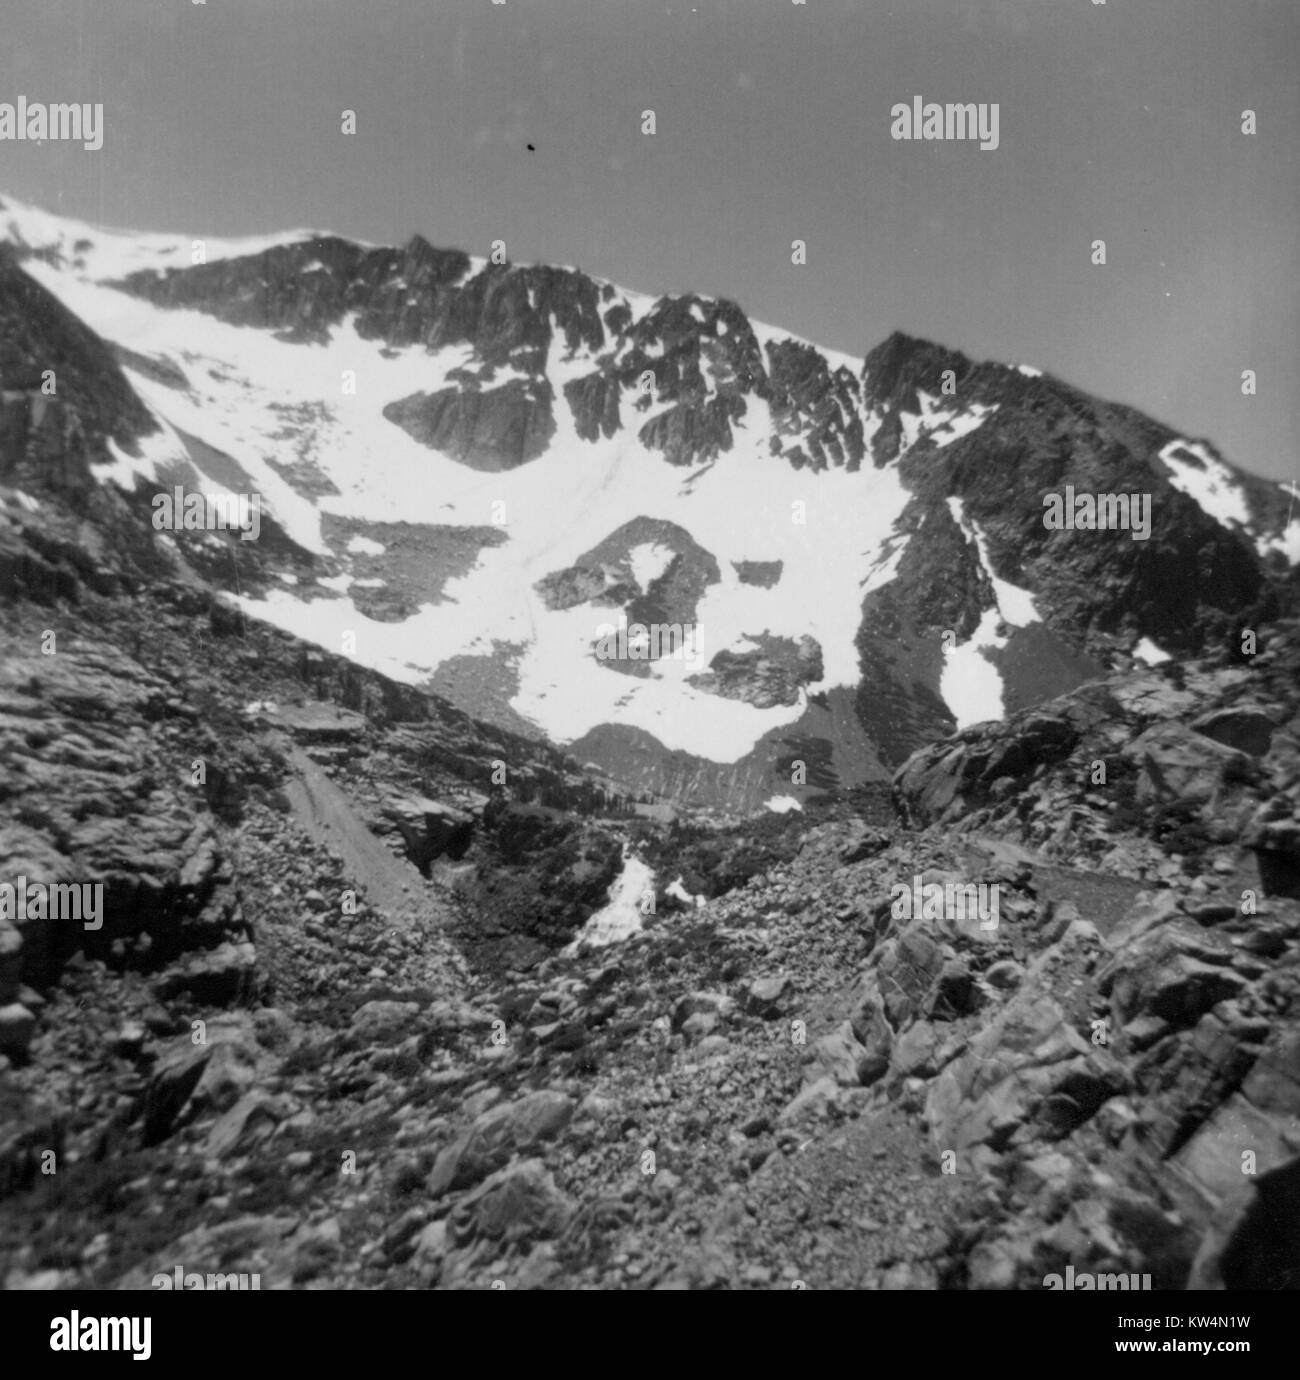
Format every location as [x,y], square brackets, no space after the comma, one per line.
[1119,121]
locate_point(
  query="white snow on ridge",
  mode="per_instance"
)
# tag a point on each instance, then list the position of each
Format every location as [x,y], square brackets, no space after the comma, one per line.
[942,425]
[1211,483]
[1288,543]
[959,424]
[1216,489]
[778,335]
[1029,371]
[109,253]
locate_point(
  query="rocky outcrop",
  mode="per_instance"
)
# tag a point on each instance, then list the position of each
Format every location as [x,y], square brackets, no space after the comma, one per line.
[818,405]
[61,390]
[594,402]
[1133,750]
[764,574]
[430,829]
[494,429]
[772,673]
[105,805]
[688,433]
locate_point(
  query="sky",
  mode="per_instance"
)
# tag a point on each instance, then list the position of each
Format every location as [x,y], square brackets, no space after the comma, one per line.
[1119,121]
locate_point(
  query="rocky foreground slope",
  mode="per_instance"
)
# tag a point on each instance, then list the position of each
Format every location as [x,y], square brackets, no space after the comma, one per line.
[327,1034]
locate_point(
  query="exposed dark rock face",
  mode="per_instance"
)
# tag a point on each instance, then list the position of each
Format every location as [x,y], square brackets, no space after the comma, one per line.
[773,673]
[62,394]
[820,405]
[680,338]
[430,829]
[1054,776]
[603,576]
[495,429]
[38,333]
[594,403]
[691,432]
[417,295]
[764,574]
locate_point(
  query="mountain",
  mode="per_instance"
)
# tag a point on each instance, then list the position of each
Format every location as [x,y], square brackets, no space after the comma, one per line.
[389,984]
[469,471]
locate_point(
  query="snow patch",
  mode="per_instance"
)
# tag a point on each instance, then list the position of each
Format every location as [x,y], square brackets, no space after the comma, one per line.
[1016,605]
[622,916]
[1210,483]
[679,893]
[1149,654]
[970,684]
[942,425]
[649,560]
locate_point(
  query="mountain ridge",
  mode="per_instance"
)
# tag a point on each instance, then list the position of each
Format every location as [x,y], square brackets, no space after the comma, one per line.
[556,416]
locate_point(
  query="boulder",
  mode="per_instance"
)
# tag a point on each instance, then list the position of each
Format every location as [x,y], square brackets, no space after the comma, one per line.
[717,1004]
[1165,973]
[841,1057]
[382,1023]
[514,1206]
[216,977]
[1176,764]
[509,1128]
[1247,728]
[763,996]
[191,1078]
[1253,1241]
[430,829]
[17,1025]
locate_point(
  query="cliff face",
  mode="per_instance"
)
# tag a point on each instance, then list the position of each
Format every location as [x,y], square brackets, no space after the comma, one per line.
[62,394]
